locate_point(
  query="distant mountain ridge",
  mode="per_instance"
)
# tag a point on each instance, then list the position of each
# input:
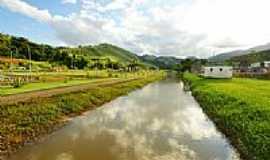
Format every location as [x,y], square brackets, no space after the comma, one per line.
[253,57]
[229,55]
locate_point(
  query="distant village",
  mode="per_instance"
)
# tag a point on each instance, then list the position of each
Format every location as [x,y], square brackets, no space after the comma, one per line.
[253,70]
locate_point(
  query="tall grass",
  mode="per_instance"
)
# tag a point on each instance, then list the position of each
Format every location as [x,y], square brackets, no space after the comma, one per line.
[240,108]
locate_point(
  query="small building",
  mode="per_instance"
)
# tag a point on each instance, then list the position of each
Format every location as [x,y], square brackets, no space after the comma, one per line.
[218,72]
[260,67]
[266,64]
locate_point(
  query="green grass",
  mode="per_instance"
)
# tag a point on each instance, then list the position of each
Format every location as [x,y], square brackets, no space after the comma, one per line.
[46,85]
[50,80]
[240,108]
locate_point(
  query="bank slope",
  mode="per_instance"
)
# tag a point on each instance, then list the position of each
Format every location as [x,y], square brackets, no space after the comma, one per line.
[240,108]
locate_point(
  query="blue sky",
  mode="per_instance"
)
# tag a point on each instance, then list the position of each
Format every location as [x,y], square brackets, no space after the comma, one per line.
[55,6]
[172,28]
[20,25]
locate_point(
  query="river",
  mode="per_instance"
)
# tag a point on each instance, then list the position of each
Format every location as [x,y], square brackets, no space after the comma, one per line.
[158,122]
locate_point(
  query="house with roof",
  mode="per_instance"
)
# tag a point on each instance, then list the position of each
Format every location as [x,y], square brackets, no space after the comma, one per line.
[217,72]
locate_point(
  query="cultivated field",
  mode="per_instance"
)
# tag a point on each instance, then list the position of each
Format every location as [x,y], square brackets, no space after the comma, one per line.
[20,82]
[240,108]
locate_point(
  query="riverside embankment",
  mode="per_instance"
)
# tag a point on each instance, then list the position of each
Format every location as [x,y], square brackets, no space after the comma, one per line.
[240,108]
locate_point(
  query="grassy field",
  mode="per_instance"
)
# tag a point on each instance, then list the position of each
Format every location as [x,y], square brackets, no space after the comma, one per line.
[240,108]
[47,85]
[49,80]
[26,122]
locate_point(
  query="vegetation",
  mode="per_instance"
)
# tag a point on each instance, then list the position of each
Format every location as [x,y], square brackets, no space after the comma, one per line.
[43,86]
[242,57]
[24,122]
[240,108]
[162,62]
[100,56]
[190,65]
[49,80]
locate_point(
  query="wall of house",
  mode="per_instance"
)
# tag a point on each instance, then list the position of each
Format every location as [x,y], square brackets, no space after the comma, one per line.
[218,72]
[255,65]
[267,64]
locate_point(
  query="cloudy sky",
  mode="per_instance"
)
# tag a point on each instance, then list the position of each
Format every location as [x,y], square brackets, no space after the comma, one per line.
[161,27]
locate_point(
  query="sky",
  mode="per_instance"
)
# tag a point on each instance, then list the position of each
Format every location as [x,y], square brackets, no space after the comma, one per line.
[178,28]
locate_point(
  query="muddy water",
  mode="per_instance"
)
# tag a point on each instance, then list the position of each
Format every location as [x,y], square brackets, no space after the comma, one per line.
[158,122]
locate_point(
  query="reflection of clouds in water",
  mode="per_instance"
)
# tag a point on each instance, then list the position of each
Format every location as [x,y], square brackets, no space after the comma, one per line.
[64,156]
[146,122]
[140,147]
[156,125]
[143,124]
[158,122]
[196,125]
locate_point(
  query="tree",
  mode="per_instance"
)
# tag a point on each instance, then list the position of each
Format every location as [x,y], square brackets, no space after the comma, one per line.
[185,65]
[81,63]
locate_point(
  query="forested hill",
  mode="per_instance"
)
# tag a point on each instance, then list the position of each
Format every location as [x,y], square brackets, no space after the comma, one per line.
[257,53]
[82,56]
[162,61]
[253,57]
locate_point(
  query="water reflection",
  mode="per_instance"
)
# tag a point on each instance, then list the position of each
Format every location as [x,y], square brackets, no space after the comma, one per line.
[155,123]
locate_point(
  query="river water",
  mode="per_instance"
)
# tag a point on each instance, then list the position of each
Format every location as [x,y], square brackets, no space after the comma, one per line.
[158,122]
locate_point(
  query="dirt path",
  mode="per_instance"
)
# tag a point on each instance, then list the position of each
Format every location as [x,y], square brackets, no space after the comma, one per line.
[24,97]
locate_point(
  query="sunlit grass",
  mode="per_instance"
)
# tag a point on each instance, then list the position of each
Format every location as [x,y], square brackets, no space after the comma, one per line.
[48,85]
[49,80]
[241,108]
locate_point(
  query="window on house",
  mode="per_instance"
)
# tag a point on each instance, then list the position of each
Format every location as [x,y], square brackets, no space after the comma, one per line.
[220,69]
[211,69]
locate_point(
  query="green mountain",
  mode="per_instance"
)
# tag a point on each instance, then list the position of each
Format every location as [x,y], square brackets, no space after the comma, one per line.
[252,57]
[239,53]
[226,56]
[162,62]
[80,57]
[112,52]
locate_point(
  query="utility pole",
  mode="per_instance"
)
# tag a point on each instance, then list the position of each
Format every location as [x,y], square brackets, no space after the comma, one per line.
[11,59]
[30,59]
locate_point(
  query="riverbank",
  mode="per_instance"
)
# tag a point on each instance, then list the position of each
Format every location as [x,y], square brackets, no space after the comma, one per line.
[28,121]
[241,110]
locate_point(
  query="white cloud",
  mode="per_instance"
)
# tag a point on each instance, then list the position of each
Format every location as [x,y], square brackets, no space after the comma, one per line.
[69,1]
[180,28]
[26,9]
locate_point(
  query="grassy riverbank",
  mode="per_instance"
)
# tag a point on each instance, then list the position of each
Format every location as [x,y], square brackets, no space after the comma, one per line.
[240,108]
[28,121]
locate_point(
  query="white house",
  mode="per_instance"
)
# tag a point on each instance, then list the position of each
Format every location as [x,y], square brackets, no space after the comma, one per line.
[260,67]
[218,72]
[255,65]
[265,64]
